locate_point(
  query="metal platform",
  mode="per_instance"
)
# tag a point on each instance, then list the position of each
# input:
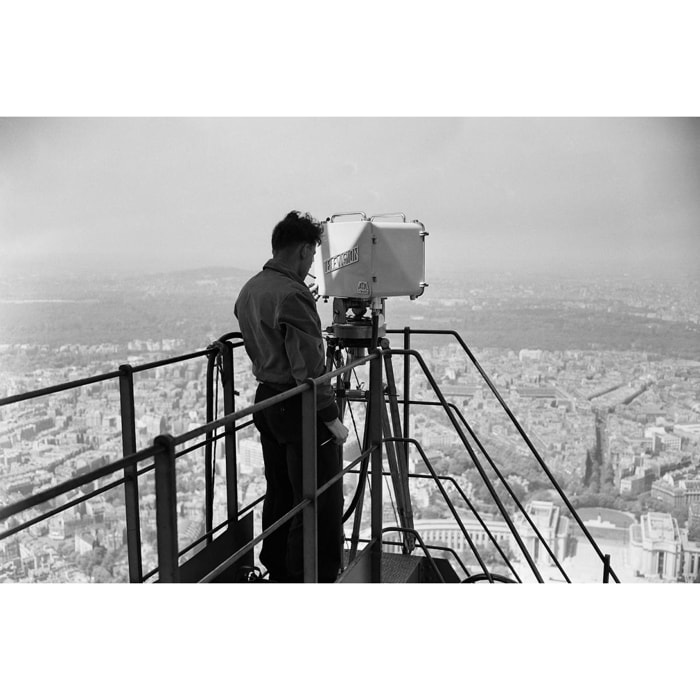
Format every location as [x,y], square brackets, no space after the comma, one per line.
[400,568]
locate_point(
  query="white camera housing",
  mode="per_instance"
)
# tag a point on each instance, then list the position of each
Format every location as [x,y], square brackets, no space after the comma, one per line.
[370,259]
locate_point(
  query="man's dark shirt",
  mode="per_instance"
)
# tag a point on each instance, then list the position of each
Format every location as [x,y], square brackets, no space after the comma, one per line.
[281,330]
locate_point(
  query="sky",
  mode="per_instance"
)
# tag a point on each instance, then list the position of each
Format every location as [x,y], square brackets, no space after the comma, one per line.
[496,193]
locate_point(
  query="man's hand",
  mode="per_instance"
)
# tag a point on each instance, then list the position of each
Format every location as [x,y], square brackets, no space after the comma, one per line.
[313,288]
[338,430]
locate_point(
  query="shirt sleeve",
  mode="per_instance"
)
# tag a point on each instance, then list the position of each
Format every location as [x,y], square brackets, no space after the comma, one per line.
[301,328]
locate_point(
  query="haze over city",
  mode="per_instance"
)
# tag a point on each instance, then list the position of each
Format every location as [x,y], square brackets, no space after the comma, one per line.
[159,194]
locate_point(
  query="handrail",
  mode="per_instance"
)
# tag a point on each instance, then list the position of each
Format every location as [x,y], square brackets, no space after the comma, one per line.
[77,383]
[470,505]
[170,360]
[474,459]
[70,504]
[125,375]
[77,482]
[163,447]
[495,497]
[308,504]
[501,477]
[158,449]
[503,480]
[519,428]
[107,470]
[45,516]
[268,403]
[244,550]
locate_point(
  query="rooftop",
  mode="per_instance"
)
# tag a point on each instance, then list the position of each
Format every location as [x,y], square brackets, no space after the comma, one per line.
[659,526]
[543,513]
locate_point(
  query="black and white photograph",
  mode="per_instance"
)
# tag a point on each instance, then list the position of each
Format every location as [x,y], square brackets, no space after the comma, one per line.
[536,308]
[306,337]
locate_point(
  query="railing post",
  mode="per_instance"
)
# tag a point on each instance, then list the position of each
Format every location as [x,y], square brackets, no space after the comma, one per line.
[230,435]
[131,483]
[406,389]
[376,397]
[606,568]
[166,510]
[209,452]
[309,483]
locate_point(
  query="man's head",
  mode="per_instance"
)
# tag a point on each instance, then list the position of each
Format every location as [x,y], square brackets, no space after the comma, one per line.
[294,240]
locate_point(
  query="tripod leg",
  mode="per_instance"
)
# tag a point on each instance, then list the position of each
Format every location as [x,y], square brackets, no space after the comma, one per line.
[402,508]
[360,495]
[401,487]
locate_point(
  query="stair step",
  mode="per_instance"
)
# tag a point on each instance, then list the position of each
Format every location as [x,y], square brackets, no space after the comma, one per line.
[398,568]
[401,568]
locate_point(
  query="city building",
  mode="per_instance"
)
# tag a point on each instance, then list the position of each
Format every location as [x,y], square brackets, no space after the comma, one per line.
[554,527]
[690,571]
[655,547]
[664,442]
[694,515]
[447,533]
[640,482]
[533,355]
[250,456]
[676,493]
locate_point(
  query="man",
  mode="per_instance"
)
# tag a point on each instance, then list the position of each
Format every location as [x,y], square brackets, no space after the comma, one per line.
[281,330]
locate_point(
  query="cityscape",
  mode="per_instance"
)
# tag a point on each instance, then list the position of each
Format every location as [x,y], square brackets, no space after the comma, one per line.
[602,373]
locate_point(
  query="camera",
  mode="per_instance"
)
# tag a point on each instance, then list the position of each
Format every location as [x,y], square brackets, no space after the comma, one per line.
[371,259]
[364,261]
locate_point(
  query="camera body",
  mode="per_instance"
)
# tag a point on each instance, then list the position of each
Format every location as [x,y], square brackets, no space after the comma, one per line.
[370,259]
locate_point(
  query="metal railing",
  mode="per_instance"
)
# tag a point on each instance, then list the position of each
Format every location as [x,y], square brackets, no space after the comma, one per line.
[435,477]
[125,374]
[407,333]
[168,554]
[164,454]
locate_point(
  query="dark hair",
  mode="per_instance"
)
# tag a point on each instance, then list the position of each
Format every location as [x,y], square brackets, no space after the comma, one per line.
[296,228]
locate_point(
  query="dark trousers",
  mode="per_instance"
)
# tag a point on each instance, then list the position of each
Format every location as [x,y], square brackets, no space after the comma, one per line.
[280,435]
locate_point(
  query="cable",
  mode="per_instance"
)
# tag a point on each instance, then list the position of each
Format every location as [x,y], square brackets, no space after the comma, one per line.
[354,425]
[357,379]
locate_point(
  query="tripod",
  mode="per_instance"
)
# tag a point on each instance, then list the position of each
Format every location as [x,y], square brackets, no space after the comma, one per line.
[348,340]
